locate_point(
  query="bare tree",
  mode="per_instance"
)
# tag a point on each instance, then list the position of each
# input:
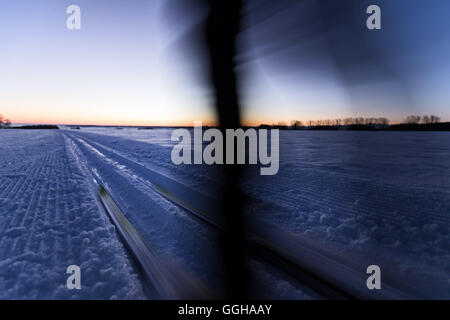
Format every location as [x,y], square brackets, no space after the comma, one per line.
[383,121]
[296,124]
[348,121]
[370,121]
[4,122]
[434,119]
[412,119]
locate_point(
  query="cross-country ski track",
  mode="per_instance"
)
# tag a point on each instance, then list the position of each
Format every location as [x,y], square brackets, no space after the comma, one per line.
[51,216]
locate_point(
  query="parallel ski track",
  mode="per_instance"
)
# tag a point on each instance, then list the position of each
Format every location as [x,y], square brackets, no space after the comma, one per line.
[305,264]
[42,200]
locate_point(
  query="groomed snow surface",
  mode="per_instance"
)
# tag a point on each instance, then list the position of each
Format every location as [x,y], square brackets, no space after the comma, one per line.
[368,197]
[50,219]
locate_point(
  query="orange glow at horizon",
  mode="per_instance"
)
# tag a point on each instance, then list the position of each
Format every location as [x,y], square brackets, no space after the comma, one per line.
[142,121]
[109,122]
[112,122]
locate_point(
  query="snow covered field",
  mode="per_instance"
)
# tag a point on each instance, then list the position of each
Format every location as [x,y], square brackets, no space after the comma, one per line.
[378,197]
[49,219]
[368,197]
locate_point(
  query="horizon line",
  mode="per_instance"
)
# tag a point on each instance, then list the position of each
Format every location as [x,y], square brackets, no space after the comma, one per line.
[175,125]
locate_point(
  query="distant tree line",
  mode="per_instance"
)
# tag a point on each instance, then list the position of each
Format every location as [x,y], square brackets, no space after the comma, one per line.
[412,122]
[4,123]
[422,119]
[358,121]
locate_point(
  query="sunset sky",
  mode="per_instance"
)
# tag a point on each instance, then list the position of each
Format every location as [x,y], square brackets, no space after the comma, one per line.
[129,65]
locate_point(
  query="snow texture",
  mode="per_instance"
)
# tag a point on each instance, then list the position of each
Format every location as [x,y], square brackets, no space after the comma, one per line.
[377,197]
[49,219]
[368,197]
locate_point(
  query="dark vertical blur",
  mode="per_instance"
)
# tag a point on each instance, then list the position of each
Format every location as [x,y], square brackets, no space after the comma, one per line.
[222,28]
[293,38]
[208,42]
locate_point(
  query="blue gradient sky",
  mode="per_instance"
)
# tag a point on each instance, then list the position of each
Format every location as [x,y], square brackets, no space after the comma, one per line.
[127,66]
